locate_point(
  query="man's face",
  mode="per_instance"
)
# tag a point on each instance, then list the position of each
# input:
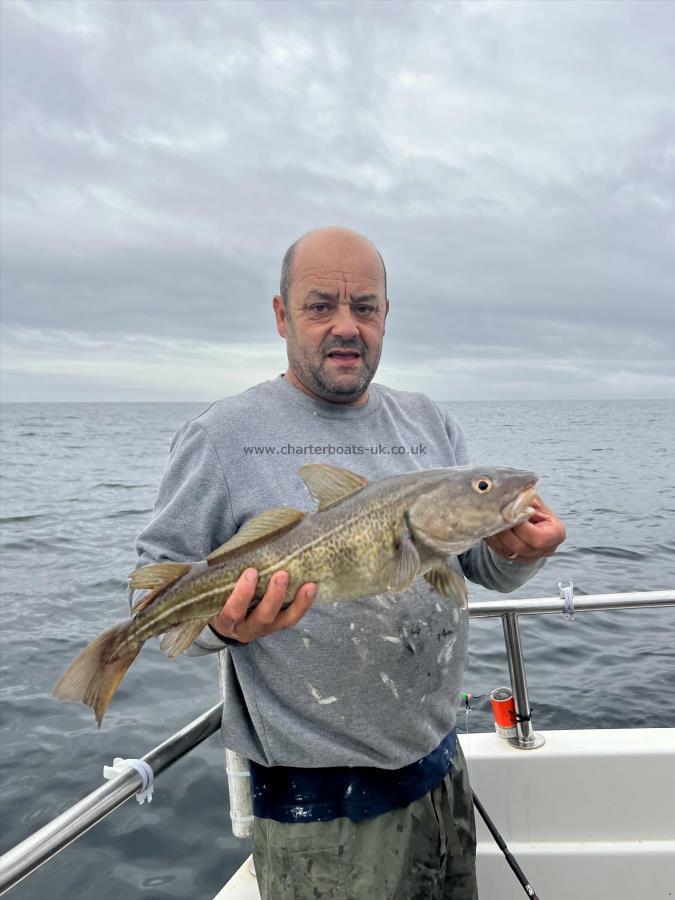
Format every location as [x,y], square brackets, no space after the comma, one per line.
[334,323]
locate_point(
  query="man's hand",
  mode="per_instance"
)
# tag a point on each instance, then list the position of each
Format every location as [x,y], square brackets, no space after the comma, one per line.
[531,540]
[268,616]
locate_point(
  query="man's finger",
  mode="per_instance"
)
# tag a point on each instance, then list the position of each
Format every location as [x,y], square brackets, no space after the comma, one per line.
[268,609]
[237,604]
[302,601]
[539,535]
[508,544]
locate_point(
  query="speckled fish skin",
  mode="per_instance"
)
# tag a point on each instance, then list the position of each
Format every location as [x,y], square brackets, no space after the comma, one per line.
[345,548]
[365,538]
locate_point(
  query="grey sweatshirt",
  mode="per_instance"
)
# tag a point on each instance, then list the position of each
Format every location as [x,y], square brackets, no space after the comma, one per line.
[373,682]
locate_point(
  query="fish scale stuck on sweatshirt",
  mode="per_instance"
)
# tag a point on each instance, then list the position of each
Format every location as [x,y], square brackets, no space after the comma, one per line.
[364,538]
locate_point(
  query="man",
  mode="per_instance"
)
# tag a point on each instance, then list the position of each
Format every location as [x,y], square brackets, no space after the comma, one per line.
[360,788]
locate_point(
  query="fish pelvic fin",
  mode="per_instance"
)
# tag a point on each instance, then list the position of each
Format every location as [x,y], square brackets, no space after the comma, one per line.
[94,676]
[329,484]
[448,582]
[271,521]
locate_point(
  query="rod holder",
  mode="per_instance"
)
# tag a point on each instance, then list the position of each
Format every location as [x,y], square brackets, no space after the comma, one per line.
[526,737]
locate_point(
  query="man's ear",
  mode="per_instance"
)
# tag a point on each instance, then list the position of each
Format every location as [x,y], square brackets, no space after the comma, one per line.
[386,312]
[279,314]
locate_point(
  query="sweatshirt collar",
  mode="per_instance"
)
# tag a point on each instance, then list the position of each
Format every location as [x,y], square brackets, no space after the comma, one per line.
[326,409]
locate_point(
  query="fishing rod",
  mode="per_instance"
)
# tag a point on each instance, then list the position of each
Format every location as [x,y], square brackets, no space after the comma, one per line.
[501,843]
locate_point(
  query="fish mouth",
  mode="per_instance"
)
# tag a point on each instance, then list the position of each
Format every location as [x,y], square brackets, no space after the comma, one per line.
[518,510]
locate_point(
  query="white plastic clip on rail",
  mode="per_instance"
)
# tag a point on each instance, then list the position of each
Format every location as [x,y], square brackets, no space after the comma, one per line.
[144,770]
[567,596]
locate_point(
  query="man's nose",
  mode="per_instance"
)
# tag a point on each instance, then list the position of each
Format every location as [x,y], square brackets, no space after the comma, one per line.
[344,324]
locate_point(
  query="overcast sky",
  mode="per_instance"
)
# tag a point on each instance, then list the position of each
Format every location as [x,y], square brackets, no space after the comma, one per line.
[513,161]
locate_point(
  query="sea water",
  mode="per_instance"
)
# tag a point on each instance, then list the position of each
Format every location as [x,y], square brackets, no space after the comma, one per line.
[78,481]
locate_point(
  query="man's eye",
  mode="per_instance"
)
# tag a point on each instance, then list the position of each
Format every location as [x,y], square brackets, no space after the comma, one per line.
[363,309]
[319,308]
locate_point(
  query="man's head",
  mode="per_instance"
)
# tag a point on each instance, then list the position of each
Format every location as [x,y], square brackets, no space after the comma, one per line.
[331,310]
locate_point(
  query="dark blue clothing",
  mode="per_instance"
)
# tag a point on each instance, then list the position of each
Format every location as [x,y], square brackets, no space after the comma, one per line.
[289,794]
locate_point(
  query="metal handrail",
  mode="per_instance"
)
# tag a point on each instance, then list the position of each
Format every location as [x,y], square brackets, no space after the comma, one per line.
[582,603]
[36,849]
[509,610]
[40,846]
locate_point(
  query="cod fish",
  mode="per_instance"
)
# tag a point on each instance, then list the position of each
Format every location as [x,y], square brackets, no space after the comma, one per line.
[364,538]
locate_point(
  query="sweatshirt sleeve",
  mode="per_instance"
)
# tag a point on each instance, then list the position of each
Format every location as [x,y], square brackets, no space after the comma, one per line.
[480,564]
[492,571]
[192,514]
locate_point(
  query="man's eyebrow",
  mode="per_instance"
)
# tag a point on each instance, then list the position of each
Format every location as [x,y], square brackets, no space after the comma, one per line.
[327,296]
[316,294]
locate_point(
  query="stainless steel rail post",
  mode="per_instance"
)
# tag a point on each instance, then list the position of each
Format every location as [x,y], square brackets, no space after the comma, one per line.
[35,850]
[526,738]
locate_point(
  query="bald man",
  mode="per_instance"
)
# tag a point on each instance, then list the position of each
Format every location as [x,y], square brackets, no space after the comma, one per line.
[346,711]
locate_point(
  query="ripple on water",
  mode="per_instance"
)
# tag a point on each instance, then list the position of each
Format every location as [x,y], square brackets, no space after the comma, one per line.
[119,485]
[613,552]
[8,520]
[124,513]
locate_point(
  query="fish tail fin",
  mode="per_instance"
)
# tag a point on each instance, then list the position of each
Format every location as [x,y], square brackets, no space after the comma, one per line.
[94,676]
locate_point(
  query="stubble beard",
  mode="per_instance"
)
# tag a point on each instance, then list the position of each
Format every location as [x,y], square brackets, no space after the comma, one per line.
[314,376]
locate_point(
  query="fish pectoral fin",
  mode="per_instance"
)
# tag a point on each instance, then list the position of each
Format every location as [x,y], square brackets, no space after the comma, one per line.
[402,568]
[450,583]
[271,521]
[179,637]
[328,484]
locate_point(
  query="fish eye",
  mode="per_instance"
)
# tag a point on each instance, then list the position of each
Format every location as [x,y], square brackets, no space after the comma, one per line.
[482,485]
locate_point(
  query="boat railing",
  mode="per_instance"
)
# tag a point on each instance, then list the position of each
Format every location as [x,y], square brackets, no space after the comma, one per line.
[42,845]
[565,603]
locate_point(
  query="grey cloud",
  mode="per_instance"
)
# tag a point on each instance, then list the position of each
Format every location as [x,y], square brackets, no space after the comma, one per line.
[513,161]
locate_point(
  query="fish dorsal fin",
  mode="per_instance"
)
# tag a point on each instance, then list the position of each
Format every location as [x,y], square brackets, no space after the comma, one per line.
[155,578]
[158,575]
[328,484]
[267,523]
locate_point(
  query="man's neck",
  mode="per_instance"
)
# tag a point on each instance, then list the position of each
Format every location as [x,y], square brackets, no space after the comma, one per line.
[293,379]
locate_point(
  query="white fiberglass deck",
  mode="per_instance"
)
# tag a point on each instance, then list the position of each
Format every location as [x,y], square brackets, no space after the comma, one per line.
[588,815]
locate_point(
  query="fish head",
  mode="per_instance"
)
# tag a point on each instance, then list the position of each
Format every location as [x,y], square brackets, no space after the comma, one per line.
[471,503]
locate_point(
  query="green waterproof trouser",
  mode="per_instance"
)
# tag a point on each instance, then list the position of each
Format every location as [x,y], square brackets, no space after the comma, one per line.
[425,851]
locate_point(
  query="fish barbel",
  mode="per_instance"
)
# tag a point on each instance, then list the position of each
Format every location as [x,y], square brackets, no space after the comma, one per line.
[365,538]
